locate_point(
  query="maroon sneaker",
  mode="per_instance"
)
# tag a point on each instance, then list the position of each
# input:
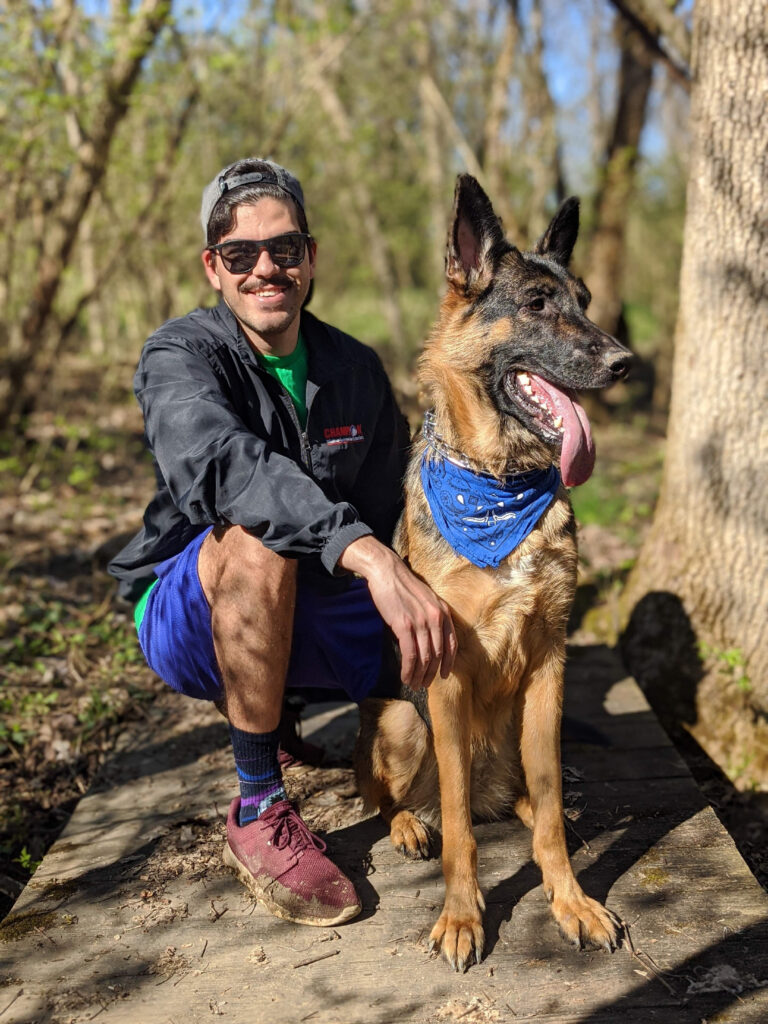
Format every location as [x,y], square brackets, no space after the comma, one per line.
[285,867]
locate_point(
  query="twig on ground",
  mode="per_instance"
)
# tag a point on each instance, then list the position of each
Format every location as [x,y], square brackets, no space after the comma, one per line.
[19,993]
[218,913]
[45,935]
[316,959]
[581,839]
[464,1013]
[648,962]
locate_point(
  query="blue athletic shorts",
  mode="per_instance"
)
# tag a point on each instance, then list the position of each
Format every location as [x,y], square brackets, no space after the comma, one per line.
[338,639]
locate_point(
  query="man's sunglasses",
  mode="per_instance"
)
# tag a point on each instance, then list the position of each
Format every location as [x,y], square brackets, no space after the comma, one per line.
[240,255]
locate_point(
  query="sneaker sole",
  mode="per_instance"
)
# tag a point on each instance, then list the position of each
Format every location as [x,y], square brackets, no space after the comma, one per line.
[231,861]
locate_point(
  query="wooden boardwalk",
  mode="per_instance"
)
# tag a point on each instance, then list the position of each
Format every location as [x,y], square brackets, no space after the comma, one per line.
[132,918]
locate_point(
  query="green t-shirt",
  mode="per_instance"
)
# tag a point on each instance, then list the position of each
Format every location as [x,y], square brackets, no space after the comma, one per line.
[291,372]
[141,605]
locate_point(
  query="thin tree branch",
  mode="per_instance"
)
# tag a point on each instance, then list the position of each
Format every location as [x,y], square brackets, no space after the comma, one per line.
[312,72]
[132,46]
[162,175]
[92,158]
[665,33]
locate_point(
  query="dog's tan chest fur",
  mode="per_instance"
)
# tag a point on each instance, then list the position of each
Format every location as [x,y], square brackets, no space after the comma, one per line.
[505,617]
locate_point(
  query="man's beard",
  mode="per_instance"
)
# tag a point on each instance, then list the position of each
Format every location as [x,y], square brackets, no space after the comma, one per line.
[282,318]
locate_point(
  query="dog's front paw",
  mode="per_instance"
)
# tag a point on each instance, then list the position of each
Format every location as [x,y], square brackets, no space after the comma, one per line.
[410,836]
[586,923]
[459,932]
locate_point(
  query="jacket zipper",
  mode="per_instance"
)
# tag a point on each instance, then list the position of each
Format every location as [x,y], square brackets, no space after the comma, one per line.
[306,450]
[303,436]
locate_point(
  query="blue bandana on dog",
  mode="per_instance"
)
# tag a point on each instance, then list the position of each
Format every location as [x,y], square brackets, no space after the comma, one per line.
[482,518]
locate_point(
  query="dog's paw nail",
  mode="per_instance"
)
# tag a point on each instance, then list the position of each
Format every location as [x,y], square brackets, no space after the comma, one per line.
[431,945]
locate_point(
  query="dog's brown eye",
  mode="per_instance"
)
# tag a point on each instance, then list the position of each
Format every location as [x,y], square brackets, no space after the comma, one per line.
[536,305]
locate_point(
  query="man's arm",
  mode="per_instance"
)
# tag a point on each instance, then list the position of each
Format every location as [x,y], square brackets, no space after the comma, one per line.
[420,620]
[218,470]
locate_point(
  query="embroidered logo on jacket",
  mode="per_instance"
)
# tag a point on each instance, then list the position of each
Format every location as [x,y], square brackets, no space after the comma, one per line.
[344,435]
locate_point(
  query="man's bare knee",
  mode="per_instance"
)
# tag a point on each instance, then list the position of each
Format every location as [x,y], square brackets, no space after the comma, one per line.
[251,592]
[234,566]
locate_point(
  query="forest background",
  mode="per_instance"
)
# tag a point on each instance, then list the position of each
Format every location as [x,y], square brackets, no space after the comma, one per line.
[113,115]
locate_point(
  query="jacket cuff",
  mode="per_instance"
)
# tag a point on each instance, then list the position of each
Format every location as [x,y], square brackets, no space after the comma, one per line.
[332,551]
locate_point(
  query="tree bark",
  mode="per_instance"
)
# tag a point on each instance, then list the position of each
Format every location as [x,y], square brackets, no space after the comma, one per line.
[495,152]
[606,262]
[542,145]
[433,149]
[707,552]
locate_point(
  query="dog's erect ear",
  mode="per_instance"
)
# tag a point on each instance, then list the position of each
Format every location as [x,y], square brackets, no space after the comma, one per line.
[558,240]
[474,231]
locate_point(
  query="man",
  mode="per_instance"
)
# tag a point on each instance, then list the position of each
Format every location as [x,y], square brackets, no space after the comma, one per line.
[264,555]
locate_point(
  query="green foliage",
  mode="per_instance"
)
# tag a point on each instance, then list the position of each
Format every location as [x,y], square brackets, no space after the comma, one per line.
[731,660]
[12,732]
[28,705]
[97,710]
[621,493]
[251,82]
[50,628]
[644,327]
[358,311]
[654,251]
[26,861]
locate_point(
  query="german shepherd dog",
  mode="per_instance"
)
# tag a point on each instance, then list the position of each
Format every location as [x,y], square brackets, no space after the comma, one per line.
[510,342]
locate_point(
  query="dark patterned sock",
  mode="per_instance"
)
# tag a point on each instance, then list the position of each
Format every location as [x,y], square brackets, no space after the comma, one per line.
[261,783]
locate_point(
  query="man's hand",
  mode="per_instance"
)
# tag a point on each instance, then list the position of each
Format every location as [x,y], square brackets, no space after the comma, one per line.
[420,620]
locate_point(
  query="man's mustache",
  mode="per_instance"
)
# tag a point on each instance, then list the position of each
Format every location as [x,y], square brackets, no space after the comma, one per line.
[255,286]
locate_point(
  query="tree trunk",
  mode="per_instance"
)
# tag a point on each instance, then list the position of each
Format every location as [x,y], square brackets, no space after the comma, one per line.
[705,561]
[433,149]
[606,262]
[542,146]
[379,251]
[96,320]
[495,151]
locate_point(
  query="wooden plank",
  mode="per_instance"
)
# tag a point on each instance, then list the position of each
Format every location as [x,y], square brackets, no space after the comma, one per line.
[132,917]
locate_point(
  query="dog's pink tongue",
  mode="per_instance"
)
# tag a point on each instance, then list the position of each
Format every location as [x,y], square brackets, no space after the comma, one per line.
[577,458]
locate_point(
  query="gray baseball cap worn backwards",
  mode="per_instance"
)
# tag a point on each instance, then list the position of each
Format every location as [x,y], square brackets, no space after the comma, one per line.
[271,174]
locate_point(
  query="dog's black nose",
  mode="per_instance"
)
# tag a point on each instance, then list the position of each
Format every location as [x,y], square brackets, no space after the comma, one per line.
[619,365]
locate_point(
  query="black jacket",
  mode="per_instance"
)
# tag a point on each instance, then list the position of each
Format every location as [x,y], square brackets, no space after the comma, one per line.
[229,449]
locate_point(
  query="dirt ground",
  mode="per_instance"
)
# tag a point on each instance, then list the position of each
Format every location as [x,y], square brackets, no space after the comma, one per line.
[74,483]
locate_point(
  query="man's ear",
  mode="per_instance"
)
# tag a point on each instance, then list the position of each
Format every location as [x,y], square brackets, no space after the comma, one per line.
[558,240]
[475,231]
[210,265]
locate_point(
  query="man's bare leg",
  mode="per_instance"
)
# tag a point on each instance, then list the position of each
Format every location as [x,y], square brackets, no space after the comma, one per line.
[252,595]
